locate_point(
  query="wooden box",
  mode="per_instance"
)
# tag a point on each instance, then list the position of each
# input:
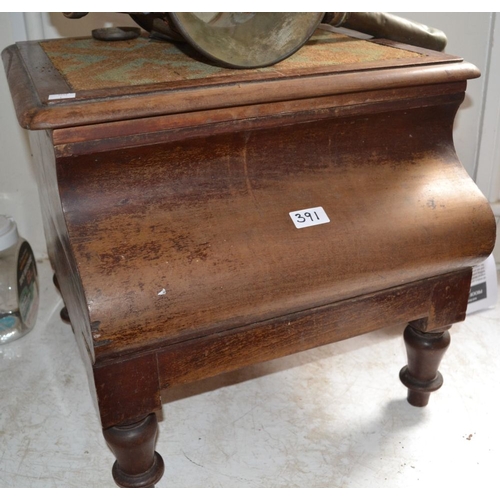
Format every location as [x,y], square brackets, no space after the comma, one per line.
[201,219]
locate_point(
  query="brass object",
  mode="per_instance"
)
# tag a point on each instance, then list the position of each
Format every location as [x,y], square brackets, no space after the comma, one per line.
[246,40]
[385,25]
[259,39]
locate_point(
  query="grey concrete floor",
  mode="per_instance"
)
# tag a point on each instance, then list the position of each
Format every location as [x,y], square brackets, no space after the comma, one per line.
[335,416]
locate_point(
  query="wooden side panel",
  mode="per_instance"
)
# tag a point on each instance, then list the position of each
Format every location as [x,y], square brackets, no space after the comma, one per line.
[58,246]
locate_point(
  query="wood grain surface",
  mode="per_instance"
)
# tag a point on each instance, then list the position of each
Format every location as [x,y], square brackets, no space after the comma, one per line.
[192,237]
[166,209]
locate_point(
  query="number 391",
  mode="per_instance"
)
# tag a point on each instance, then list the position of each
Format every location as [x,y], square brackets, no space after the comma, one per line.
[312,216]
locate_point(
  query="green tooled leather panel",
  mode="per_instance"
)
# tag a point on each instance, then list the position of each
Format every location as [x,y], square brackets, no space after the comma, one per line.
[88,64]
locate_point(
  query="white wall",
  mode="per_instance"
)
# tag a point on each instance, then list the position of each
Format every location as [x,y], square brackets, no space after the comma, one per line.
[475,36]
[470,35]
[18,191]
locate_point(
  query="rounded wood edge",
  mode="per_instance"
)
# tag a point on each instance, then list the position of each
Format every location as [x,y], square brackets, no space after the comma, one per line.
[26,103]
[209,95]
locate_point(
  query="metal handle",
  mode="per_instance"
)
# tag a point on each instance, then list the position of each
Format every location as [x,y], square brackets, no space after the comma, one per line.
[385,25]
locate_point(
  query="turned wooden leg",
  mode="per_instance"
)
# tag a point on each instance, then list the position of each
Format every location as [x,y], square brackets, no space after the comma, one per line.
[64,311]
[137,464]
[425,351]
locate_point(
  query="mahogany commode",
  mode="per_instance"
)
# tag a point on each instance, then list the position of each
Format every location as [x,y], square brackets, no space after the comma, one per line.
[201,219]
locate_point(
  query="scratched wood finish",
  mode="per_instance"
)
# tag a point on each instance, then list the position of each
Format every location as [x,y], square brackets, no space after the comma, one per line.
[202,225]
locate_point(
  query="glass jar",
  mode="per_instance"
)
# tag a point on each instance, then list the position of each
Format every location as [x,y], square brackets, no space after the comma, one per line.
[19,293]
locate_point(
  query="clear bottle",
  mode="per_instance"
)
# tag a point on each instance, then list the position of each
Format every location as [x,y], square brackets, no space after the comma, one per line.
[19,293]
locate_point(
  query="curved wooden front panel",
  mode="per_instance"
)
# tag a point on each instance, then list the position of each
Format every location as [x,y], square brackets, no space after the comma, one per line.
[191,237]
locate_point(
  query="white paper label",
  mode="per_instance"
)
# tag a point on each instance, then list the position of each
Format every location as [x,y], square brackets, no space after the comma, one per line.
[483,287]
[61,96]
[309,217]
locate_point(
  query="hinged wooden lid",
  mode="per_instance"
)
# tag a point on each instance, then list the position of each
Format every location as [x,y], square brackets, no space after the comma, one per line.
[71,82]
